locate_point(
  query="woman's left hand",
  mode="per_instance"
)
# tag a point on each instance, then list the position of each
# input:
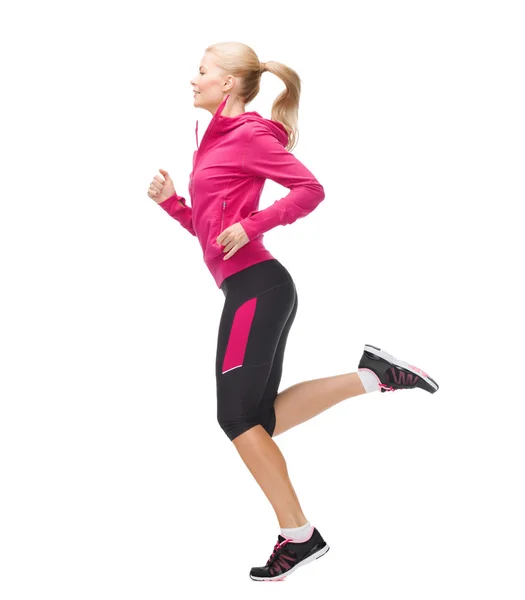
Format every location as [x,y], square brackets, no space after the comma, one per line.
[232,238]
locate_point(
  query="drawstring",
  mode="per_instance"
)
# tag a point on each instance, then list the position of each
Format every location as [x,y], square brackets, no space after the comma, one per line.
[197,123]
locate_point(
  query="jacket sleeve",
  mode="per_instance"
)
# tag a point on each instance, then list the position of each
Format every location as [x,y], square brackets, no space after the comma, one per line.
[176,207]
[266,157]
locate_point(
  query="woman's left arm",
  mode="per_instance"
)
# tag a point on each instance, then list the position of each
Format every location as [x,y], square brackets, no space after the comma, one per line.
[266,157]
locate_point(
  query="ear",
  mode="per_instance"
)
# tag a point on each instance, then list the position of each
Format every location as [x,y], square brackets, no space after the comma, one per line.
[230,82]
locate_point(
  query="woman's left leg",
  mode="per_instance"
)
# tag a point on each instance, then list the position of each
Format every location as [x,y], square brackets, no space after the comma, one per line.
[268,466]
[249,333]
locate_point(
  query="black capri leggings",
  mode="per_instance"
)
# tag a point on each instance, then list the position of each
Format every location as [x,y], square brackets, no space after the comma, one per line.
[260,307]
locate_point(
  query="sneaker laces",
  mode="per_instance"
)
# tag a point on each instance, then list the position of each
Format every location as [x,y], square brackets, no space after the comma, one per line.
[387,388]
[276,549]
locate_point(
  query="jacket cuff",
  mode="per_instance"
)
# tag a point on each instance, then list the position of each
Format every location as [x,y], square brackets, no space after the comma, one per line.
[171,204]
[250,226]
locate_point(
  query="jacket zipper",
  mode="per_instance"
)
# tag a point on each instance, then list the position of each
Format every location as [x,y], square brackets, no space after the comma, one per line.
[222,217]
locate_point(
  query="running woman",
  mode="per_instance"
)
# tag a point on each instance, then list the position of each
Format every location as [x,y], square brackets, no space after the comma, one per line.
[240,150]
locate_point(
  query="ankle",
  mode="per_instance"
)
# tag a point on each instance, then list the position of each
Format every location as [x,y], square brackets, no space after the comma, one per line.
[292,521]
[369,380]
[299,534]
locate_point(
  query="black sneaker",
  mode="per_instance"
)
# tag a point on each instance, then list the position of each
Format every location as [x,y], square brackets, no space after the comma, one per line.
[394,374]
[288,556]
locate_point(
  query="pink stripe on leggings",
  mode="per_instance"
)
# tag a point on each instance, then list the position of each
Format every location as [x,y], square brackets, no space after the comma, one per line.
[238,340]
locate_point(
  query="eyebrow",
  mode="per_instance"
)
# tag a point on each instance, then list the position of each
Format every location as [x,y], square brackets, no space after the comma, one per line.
[202,67]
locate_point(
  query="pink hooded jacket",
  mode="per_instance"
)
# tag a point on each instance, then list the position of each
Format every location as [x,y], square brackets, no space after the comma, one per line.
[235,157]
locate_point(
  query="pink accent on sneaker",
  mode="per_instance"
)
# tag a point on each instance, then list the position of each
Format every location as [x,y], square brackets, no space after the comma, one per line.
[305,540]
[282,564]
[370,371]
[388,388]
[418,370]
[402,378]
[283,560]
[277,546]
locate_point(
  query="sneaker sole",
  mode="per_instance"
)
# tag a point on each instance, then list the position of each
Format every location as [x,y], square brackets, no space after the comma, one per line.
[403,365]
[282,576]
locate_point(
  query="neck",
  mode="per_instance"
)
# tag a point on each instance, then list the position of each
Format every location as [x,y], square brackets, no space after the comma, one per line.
[233,108]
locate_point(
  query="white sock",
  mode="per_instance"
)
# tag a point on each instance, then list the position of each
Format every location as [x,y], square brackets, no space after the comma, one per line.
[369,380]
[298,534]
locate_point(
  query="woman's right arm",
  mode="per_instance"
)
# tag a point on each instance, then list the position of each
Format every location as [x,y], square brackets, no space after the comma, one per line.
[164,194]
[176,207]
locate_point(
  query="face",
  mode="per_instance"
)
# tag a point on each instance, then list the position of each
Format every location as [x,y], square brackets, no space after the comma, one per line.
[210,84]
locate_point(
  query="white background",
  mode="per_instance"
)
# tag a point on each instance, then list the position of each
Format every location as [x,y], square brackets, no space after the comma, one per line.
[117,481]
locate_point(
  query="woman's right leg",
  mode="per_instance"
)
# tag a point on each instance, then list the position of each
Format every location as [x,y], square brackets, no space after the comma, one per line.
[305,400]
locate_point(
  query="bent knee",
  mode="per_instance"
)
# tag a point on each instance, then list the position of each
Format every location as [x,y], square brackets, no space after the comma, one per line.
[235,427]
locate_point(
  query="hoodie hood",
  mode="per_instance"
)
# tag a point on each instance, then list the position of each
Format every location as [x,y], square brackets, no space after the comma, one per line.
[222,125]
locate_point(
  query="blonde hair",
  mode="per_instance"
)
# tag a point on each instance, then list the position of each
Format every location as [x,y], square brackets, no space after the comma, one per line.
[241,61]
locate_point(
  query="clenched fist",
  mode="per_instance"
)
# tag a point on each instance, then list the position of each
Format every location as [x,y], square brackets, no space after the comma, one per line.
[161,189]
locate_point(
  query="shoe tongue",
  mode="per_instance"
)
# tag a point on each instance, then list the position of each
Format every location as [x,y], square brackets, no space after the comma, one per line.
[281,539]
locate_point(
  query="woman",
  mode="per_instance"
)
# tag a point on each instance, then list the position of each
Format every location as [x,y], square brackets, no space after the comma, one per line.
[238,152]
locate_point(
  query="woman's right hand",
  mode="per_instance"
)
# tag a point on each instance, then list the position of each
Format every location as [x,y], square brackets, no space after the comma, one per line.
[161,189]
